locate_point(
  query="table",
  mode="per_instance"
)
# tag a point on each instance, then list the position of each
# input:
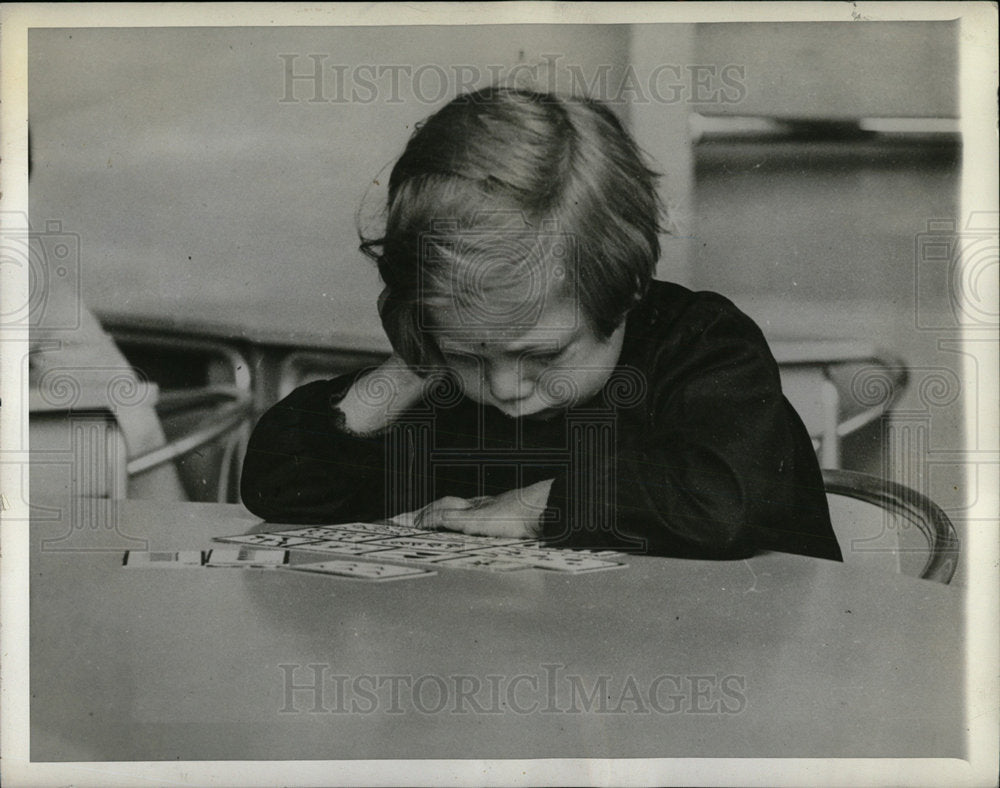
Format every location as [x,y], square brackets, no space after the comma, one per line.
[775,656]
[352,323]
[80,417]
[91,416]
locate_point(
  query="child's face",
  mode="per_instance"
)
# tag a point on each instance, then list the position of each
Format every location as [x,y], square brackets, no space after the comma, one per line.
[537,372]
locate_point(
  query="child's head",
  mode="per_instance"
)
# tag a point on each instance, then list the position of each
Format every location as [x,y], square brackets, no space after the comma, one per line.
[515,219]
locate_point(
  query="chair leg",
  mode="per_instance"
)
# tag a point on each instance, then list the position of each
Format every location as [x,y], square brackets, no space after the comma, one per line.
[830,451]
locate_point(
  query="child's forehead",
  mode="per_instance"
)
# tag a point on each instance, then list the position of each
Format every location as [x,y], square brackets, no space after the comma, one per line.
[556,321]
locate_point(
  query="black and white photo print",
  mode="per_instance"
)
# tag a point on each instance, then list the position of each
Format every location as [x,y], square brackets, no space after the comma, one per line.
[499,394]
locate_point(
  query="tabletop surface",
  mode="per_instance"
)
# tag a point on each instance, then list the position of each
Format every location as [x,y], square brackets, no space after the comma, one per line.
[775,656]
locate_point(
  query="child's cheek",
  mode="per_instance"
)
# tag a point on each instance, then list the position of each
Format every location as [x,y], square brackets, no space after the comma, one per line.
[558,387]
[472,382]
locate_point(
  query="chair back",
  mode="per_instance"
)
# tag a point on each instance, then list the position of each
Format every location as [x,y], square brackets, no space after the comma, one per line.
[840,395]
[817,402]
[887,526]
[206,406]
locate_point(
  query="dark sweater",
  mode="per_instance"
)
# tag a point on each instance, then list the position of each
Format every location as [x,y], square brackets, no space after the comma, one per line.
[690,449]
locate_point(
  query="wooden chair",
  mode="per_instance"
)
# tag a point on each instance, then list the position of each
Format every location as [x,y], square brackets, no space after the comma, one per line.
[884,525]
[840,393]
[206,406]
[216,430]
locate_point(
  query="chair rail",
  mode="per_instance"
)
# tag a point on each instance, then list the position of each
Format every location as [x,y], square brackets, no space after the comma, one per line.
[224,420]
[900,499]
[897,376]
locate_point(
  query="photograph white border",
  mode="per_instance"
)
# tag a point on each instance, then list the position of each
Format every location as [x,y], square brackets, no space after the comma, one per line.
[978,65]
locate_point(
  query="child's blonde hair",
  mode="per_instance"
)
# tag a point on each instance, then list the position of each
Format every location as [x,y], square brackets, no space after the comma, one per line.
[510,188]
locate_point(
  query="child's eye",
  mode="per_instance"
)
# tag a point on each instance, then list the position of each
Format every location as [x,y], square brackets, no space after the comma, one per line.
[456,359]
[544,357]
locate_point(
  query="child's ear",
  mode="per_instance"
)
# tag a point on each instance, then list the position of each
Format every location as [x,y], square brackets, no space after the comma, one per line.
[637,297]
[396,322]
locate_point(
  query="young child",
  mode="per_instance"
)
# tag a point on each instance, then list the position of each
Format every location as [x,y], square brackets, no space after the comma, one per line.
[543,384]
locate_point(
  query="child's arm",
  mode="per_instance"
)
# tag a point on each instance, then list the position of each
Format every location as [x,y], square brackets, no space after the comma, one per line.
[714,464]
[318,455]
[376,398]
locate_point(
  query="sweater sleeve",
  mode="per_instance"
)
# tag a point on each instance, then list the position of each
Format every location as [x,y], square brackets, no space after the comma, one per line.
[302,466]
[707,468]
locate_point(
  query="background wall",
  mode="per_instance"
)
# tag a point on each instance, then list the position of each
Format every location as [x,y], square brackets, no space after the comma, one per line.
[838,70]
[816,226]
[203,181]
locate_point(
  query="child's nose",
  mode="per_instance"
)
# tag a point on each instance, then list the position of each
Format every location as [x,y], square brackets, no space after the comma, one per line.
[506,382]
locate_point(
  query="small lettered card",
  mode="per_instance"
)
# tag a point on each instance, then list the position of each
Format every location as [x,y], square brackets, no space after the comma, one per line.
[574,563]
[343,548]
[485,563]
[568,561]
[326,533]
[359,570]
[247,557]
[163,559]
[277,540]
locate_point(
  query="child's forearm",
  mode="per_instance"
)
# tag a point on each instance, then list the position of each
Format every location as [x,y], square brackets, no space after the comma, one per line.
[376,398]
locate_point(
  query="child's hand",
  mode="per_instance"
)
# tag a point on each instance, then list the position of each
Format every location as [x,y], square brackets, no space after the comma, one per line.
[378,397]
[515,513]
